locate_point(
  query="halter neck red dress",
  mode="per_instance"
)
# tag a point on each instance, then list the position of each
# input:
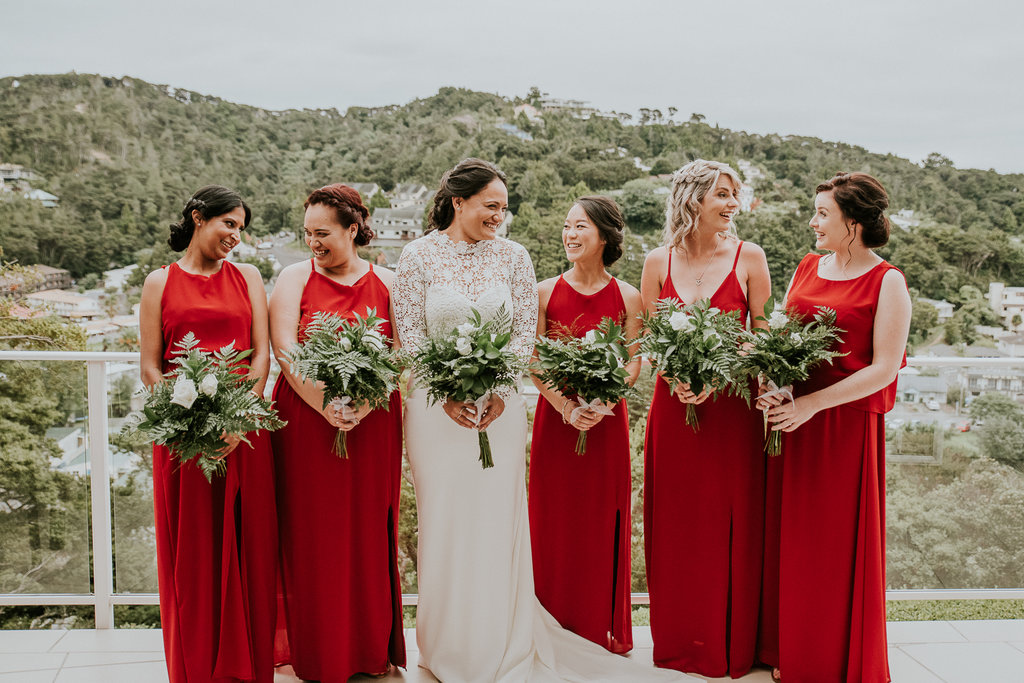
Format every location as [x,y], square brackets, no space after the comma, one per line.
[216,541]
[580,504]
[339,517]
[703,521]
[823,619]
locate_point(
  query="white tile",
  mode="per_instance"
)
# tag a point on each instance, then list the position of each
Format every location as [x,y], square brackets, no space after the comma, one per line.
[901,632]
[76,659]
[154,672]
[29,641]
[30,661]
[905,669]
[1019,646]
[991,630]
[113,640]
[970,662]
[47,676]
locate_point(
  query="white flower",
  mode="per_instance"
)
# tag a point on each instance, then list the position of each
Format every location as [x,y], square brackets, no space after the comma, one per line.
[778,320]
[184,392]
[209,385]
[463,346]
[713,311]
[345,343]
[712,339]
[590,337]
[374,339]
[465,328]
[797,339]
[680,322]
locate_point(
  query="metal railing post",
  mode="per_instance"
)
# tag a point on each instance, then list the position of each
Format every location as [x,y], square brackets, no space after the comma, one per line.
[99,485]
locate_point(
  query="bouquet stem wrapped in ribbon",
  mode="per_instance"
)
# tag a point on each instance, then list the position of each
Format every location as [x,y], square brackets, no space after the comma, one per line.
[786,352]
[206,397]
[591,366]
[352,360]
[469,364]
[696,344]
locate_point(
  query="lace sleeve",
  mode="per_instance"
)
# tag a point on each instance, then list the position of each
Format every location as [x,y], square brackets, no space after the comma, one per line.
[524,304]
[410,298]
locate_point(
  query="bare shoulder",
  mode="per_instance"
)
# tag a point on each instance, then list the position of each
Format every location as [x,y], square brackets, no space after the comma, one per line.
[656,256]
[386,276]
[894,280]
[630,294]
[545,287]
[250,272]
[295,272]
[157,279]
[752,253]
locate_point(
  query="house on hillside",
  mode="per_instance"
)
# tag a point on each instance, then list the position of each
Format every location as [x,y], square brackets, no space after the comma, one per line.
[38,277]
[913,387]
[14,172]
[943,308]
[403,224]
[1008,303]
[48,200]
[66,304]
[409,194]
[365,189]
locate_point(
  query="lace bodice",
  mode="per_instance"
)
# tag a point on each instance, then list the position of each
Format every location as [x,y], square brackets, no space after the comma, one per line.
[438,280]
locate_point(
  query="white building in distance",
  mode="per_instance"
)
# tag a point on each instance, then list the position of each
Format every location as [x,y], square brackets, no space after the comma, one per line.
[1008,303]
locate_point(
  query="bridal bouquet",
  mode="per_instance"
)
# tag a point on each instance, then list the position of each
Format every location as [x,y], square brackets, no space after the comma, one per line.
[198,402]
[787,351]
[352,360]
[468,364]
[697,344]
[589,368]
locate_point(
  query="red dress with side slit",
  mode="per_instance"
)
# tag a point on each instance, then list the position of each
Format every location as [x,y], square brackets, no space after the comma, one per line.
[580,504]
[339,517]
[823,618]
[704,521]
[216,541]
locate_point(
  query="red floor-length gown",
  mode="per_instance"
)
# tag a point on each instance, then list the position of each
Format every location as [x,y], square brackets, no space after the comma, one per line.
[216,541]
[580,504]
[339,517]
[824,613]
[704,522]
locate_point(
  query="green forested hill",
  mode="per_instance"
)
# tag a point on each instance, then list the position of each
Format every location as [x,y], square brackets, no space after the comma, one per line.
[123,154]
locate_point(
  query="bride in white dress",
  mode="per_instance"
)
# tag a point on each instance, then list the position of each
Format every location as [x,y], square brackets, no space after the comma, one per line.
[478,619]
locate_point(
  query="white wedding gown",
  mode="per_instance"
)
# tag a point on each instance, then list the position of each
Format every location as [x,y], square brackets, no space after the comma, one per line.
[478,619]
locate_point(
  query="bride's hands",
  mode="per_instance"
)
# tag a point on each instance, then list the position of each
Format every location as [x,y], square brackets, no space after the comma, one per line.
[463,413]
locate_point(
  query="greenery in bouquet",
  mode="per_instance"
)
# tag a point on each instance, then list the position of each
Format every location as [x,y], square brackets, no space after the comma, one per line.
[468,365]
[199,402]
[695,344]
[590,368]
[352,361]
[788,350]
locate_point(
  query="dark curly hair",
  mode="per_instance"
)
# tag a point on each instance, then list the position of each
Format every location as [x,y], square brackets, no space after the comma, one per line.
[468,177]
[606,216]
[861,198]
[349,206]
[210,201]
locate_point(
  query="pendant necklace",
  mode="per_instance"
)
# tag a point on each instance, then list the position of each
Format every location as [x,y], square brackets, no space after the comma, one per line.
[700,278]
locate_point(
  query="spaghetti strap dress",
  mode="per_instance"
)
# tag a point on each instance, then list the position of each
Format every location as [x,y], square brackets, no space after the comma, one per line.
[823,618]
[580,504]
[338,518]
[216,541]
[704,522]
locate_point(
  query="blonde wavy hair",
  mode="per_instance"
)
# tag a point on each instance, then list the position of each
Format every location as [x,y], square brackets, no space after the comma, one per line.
[690,185]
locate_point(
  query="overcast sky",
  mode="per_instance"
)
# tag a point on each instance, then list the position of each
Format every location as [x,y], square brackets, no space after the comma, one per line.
[903,76]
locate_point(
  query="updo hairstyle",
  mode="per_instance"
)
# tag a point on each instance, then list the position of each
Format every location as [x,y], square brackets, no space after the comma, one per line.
[349,206]
[210,201]
[604,213]
[863,200]
[690,185]
[467,178]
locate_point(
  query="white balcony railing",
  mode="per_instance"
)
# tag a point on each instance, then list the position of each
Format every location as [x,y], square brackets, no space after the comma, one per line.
[103,597]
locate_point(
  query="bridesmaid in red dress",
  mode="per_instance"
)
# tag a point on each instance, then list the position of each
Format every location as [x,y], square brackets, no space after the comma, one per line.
[580,504]
[338,517]
[824,614]
[704,490]
[216,541]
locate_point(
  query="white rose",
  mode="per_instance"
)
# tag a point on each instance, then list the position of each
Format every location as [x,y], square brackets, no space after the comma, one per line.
[714,311]
[712,339]
[209,385]
[797,339]
[184,392]
[590,337]
[778,320]
[374,339]
[345,343]
[463,346]
[465,328]
[680,322]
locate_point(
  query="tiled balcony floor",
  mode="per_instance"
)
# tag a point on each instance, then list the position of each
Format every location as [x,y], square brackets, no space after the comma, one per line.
[919,652]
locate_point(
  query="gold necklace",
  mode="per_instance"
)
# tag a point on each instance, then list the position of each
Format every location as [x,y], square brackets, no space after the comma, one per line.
[700,278]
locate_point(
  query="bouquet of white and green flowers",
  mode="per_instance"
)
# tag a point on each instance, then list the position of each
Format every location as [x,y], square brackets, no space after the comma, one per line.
[351,359]
[787,351]
[199,402]
[468,364]
[696,344]
[588,368]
